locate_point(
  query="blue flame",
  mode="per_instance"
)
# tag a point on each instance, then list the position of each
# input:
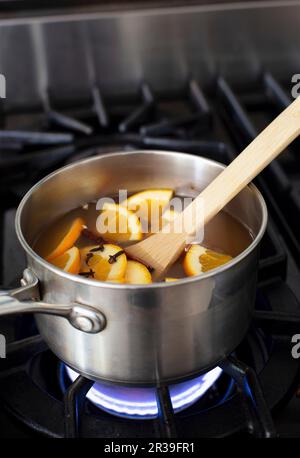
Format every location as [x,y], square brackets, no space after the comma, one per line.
[140,403]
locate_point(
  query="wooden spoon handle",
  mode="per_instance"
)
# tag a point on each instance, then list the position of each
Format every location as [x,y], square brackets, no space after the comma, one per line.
[248,164]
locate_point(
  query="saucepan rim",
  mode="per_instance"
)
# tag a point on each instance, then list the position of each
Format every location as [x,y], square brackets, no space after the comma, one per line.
[95,283]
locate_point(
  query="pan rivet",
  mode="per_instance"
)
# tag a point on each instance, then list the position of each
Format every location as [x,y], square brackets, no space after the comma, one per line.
[83,323]
[87,319]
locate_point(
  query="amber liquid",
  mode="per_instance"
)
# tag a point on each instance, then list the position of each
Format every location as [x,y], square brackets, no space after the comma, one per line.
[223,234]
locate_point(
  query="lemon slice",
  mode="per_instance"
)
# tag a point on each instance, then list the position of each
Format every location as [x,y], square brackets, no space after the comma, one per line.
[169,279]
[117,224]
[68,261]
[136,273]
[200,259]
[68,239]
[106,262]
[149,203]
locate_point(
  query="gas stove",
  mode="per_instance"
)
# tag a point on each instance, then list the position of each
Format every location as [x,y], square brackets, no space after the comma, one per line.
[253,392]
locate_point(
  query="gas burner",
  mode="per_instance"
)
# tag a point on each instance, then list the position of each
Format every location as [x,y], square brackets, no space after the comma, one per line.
[141,403]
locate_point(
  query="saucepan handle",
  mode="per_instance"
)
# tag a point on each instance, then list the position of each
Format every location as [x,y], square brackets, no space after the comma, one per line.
[26,300]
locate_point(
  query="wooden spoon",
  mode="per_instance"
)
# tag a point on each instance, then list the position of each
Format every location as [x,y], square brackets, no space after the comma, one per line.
[162,249]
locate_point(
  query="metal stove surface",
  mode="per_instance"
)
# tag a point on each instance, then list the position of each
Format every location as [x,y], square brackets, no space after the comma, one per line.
[216,124]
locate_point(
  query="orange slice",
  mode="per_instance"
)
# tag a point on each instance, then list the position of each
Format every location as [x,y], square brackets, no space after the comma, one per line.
[117,224]
[106,262]
[149,204]
[200,259]
[169,215]
[137,274]
[68,261]
[68,239]
[169,279]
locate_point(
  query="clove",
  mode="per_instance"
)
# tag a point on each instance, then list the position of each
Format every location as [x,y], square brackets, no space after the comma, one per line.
[113,257]
[92,236]
[90,273]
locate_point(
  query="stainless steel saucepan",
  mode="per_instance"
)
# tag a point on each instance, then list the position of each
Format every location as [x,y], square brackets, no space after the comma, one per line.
[125,333]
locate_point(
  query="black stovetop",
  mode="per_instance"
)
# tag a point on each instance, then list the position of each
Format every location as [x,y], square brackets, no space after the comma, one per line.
[35,395]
